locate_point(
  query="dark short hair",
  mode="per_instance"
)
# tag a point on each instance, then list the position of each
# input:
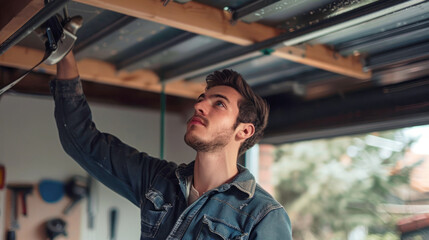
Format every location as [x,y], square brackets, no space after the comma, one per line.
[252,108]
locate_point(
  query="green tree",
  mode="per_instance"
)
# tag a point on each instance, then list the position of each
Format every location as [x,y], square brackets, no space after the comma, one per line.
[331,186]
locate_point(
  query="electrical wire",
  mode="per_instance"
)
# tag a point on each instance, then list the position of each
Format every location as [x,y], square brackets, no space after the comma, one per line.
[10,85]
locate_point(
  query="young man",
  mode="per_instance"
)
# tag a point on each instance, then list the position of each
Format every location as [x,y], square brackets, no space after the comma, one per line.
[210,198]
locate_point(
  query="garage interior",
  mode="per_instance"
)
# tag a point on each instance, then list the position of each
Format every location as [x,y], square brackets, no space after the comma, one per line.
[327,68]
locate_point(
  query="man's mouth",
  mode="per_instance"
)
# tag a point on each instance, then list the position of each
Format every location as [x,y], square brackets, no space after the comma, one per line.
[195,120]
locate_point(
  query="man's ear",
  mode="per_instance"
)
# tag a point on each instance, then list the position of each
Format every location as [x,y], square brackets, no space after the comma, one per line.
[246,130]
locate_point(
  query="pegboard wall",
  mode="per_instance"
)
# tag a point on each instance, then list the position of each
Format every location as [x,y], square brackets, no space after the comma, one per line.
[32,226]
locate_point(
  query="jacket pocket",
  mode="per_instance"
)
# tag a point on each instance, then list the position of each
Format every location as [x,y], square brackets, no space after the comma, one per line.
[214,229]
[153,212]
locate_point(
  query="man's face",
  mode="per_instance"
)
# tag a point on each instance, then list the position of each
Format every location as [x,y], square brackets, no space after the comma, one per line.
[212,125]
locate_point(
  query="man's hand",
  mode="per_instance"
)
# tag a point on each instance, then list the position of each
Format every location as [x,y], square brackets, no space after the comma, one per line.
[67,68]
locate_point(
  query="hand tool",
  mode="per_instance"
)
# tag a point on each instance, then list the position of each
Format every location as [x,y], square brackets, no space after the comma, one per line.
[51,191]
[24,192]
[20,190]
[2,176]
[13,217]
[113,217]
[59,35]
[91,202]
[17,190]
[55,227]
[77,189]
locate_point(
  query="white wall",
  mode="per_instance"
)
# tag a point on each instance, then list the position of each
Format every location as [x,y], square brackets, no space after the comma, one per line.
[30,150]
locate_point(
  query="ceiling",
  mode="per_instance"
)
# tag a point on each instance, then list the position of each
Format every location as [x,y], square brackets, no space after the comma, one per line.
[326,68]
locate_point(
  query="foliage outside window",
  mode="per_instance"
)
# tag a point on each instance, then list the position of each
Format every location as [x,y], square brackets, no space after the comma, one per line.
[330,187]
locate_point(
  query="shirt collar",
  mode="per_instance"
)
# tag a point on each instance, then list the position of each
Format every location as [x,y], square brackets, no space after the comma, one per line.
[244,181]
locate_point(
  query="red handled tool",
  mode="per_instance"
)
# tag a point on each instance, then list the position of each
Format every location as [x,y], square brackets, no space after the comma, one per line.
[2,176]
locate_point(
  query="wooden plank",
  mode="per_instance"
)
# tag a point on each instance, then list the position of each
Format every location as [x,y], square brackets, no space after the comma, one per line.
[205,20]
[37,83]
[323,57]
[14,14]
[101,72]
[192,17]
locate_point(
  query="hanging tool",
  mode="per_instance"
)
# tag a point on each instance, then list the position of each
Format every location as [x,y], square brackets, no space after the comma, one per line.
[51,191]
[17,190]
[55,227]
[13,217]
[113,217]
[59,34]
[165,2]
[20,190]
[77,189]
[24,200]
[10,235]
[2,176]
[91,202]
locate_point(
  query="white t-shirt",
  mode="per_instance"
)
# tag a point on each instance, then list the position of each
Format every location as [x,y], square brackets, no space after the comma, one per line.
[193,194]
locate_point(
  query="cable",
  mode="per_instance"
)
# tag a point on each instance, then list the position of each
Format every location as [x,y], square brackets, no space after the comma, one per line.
[10,85]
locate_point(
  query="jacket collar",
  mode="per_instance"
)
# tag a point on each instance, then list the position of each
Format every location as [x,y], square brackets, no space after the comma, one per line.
[244,181]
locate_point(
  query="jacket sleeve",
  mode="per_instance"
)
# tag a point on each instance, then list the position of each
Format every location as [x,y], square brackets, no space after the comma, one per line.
[117,165]
[274,225]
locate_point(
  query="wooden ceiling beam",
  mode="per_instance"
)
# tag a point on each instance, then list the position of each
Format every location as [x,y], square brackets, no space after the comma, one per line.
[14,14]
[323,57]
[102,72]
[38,83]
[192,17]
[205,20]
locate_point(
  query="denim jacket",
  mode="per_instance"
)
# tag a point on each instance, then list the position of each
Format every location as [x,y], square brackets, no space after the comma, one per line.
[240,209]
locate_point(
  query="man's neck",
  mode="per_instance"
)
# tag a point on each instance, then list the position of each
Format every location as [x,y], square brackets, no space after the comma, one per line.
[214,169]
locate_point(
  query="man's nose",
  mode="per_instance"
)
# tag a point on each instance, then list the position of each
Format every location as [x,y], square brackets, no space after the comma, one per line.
[201,107]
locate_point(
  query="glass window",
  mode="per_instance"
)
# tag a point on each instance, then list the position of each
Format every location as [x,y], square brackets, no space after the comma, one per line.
[367,186]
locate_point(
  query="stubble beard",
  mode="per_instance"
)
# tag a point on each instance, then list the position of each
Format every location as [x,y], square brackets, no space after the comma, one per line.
[221,140]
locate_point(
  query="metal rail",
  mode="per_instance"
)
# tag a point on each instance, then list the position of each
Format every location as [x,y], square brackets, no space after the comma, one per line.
[250,8]
[103,33]
[145,53]
[42,16]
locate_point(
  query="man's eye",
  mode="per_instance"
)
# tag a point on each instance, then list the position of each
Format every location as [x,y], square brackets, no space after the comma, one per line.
[219,104]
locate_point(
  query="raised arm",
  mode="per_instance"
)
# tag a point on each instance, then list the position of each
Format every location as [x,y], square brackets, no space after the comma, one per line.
[117,165]
[67,68]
